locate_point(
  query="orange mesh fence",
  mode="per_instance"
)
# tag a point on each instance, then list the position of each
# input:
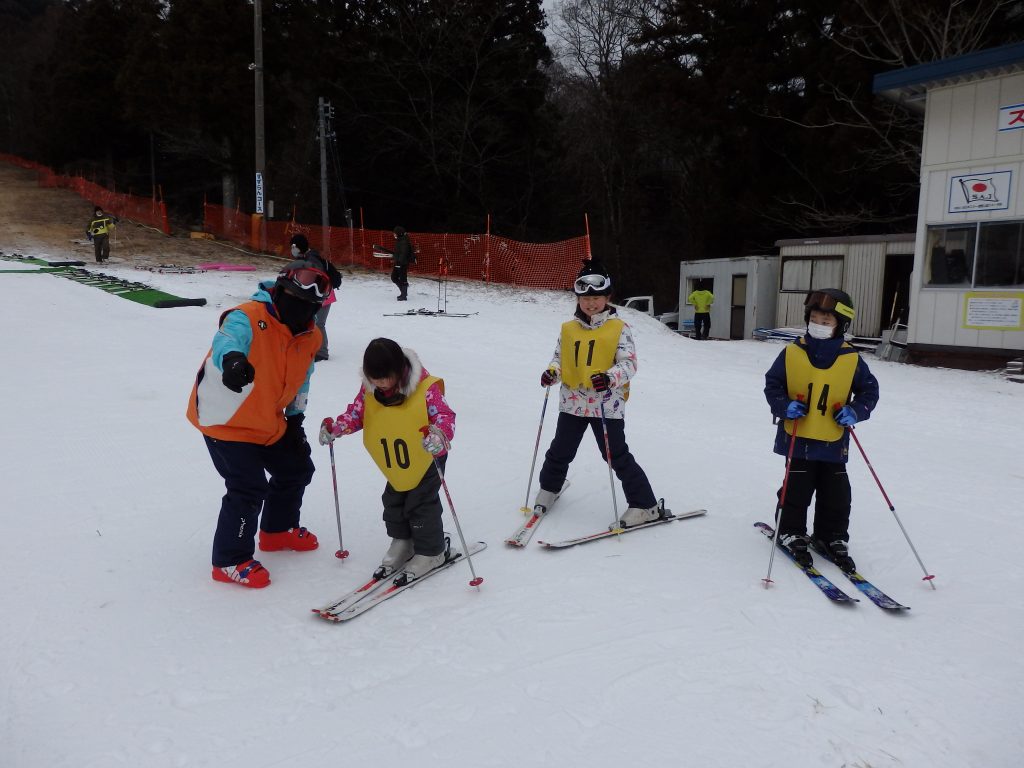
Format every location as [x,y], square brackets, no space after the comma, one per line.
[485,257]
[144,210]
[489,258]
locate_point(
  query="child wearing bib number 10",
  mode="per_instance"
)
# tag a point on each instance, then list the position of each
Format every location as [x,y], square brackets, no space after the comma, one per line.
[594,359]
[406,424]
[820,387]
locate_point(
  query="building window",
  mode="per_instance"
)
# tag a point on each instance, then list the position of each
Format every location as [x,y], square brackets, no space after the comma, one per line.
[982,255]
[802,274]
[999,255]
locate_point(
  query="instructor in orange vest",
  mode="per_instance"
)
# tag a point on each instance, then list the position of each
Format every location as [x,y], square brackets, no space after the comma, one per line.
[248,400]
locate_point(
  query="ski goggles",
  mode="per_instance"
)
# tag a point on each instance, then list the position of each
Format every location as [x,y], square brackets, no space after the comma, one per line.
[828,303]
[592,284]
[311,281]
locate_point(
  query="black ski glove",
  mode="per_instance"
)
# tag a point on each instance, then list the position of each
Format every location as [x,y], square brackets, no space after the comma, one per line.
[600,382]
[238,371]
[294,438]
[334,274]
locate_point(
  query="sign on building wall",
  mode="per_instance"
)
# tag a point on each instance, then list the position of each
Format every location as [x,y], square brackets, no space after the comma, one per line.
[988,191]
[1011,118]
[994,311]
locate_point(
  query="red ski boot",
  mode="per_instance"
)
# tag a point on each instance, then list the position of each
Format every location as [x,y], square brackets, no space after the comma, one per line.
[248,574]
[295,539]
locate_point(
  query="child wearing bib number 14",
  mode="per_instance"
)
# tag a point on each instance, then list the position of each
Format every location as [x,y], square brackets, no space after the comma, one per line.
[406,425]
[595,358]
[820,387]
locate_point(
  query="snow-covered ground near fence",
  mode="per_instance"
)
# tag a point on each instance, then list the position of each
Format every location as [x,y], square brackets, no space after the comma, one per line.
[661,648]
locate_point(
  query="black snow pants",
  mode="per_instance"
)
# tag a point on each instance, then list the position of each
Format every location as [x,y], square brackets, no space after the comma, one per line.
[416,514]
[828,483]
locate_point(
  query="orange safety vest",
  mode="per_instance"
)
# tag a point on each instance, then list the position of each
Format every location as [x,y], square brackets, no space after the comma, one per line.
[256,414]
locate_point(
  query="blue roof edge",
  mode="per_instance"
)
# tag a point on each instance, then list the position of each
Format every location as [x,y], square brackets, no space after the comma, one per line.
[966,64]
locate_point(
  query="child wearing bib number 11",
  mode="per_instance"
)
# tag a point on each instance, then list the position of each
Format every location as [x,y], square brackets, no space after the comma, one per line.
[406,424]
[819,386]
[595,358]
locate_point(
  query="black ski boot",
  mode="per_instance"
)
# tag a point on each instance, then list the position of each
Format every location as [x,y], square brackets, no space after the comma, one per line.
[798,544]
[840,555]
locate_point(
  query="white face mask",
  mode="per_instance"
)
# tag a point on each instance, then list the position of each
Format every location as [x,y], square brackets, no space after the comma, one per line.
[818,331]
[296,252]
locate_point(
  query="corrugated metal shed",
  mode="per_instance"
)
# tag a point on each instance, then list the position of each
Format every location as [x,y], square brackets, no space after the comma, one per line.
[857,265]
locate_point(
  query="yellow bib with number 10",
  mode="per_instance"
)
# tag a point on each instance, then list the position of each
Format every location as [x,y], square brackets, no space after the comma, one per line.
[392,437]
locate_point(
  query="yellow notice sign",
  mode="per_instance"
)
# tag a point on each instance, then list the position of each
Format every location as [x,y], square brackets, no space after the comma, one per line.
[994,311]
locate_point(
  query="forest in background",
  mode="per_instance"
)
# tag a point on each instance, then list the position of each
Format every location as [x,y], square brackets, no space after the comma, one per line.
[684,129]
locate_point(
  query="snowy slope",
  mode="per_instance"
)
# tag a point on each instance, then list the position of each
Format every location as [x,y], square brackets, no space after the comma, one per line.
[658,649]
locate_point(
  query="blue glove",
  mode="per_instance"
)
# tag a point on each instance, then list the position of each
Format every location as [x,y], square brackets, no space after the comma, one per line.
[846,416]
[796,410]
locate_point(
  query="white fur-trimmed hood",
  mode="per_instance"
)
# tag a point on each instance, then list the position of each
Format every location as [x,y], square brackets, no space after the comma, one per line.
[408,386]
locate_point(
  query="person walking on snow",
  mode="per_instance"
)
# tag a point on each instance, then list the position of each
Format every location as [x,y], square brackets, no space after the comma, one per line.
[595,358]
[402,256]
[99,229]
[406,423]
[248,400]
[702,299]
[819,386]
[301,250]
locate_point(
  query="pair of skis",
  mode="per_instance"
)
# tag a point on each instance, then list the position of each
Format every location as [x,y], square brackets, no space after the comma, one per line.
[525,532]
[376,591]
[830,590]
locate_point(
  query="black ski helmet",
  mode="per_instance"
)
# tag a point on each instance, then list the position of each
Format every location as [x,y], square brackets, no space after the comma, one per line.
[834,301]
[592,280]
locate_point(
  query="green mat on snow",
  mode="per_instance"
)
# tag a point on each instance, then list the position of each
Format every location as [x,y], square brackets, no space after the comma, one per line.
[126,289]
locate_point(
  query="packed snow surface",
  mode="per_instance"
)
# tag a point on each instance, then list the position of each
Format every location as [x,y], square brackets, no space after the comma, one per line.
[660,648]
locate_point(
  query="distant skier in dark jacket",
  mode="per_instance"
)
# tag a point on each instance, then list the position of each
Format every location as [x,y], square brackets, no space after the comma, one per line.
[99,229]
[402,256]
[301,250]
[820,386]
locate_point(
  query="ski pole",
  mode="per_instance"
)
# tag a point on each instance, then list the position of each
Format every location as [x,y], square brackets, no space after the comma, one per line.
[927,576]
[536,447]
[782,500]
[477,580]
[608,455]
[342,553]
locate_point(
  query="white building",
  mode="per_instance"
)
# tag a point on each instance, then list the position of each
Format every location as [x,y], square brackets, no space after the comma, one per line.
[744,289]
[967,295]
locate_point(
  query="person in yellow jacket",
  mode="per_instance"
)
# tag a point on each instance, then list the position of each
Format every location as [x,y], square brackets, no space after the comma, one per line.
[595,358]
[248,400]
[99,229]
[702,299]
[406,424]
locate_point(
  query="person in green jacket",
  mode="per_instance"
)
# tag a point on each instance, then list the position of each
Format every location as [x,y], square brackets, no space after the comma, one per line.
[99,229]
[702,299]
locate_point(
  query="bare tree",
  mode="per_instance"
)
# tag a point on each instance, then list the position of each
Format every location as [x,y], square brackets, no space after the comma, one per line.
[592,39]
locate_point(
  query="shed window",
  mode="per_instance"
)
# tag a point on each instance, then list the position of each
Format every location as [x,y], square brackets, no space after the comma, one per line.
[802,274]
[983,255]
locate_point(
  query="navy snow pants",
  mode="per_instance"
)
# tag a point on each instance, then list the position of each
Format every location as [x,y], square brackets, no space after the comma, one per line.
[244,467]
[568,434]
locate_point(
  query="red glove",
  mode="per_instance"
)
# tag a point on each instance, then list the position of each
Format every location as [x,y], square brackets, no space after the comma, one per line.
[601,382]
[548,378]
